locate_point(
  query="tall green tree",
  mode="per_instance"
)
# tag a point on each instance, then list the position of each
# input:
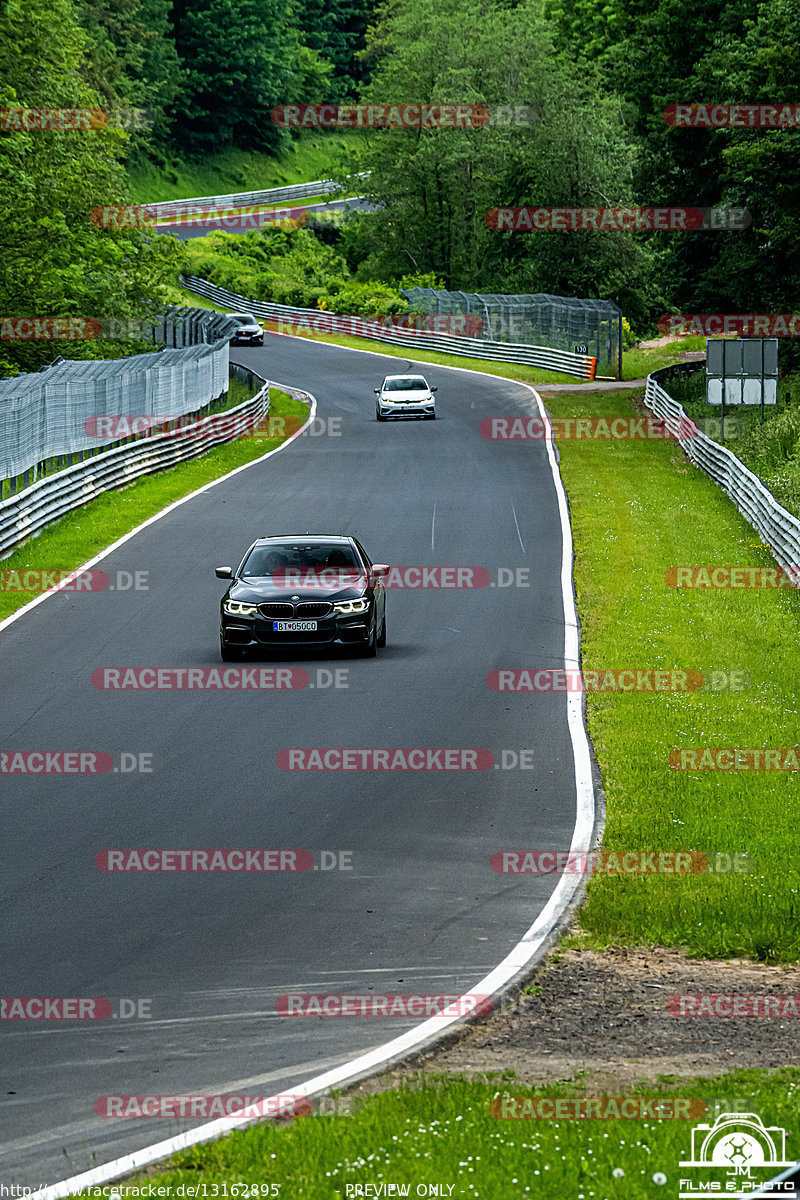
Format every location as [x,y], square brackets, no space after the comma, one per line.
[337,30]
[131,58]
[54,260]
[760,168]
[242,57]
[434,186]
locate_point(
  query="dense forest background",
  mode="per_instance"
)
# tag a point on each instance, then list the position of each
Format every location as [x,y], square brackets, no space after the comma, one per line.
[597,73]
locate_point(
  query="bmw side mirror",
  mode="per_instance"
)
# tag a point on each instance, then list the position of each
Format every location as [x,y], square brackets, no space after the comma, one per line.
[380,569]
[434,389]
[223,572]
[377,391]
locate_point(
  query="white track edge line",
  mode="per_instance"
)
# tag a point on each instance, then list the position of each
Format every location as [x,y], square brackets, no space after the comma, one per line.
[513,965]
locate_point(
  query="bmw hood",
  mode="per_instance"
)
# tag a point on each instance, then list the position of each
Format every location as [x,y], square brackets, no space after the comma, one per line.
[264,591]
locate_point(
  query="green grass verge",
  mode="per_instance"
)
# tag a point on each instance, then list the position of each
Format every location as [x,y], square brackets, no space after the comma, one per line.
[80,535]
[637,363]
[638,508]
[312,155]
[442,1131]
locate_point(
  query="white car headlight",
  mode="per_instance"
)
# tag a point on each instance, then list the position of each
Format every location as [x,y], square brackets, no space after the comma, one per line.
[235,608]
[351,606]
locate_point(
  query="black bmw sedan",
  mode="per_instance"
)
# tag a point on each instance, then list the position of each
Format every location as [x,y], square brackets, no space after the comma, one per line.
[303,590]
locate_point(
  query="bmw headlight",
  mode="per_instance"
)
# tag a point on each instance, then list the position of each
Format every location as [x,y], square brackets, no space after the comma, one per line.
[235,608]
[351,606]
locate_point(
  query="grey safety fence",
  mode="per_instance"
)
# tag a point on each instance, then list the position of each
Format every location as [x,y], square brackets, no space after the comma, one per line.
[559,322]
[179,327]
[293,191]
[582,366]
[49,418]
[777,527]
[26,514]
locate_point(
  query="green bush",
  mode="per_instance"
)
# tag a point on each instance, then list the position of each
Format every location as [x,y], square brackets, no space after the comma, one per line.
[289,266]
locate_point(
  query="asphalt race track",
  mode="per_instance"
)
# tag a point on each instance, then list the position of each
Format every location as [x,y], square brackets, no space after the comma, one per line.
[420,912]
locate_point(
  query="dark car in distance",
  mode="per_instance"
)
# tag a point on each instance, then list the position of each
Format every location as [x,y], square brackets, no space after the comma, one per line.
[303,590]
[249,333]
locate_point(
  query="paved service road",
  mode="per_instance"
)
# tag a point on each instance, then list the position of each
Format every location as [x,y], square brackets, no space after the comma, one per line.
[420,912]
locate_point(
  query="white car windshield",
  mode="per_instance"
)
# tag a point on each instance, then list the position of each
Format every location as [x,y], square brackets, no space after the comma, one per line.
[405,385]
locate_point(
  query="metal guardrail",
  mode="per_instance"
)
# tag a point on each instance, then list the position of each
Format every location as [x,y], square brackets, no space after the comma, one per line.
[293,191]
[44,417]
[581,365]
[180,327]
[777,527]
[27,513]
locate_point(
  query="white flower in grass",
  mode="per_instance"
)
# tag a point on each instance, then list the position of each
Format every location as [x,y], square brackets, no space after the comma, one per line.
[659,1177]
[618,1173]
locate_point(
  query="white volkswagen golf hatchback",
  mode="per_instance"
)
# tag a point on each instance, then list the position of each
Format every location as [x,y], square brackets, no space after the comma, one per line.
[405,396]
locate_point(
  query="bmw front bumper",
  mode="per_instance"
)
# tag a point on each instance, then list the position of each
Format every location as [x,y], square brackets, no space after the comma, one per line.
[257,633]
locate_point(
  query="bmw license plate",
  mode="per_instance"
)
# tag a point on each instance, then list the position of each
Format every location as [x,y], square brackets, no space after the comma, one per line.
[294,626]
